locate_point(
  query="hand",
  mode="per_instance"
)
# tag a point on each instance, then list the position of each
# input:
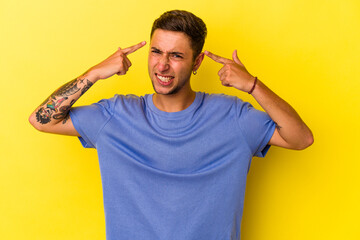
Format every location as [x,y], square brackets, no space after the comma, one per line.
[118,63]
[233,73]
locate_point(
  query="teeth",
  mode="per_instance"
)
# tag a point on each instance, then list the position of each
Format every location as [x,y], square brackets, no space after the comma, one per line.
[164,79]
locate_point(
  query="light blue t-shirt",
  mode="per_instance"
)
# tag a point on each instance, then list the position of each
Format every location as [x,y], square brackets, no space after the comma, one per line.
[180,175]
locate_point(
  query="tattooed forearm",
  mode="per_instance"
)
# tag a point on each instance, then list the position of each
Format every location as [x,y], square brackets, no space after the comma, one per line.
[87,86]
[43,115]
[66,118]
[58,104]
[68,89]
[63,111]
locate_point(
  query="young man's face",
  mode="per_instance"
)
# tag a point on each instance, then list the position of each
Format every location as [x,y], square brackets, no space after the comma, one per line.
[170,62]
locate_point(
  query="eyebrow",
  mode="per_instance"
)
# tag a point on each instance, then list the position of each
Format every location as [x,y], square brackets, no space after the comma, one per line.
[177,53]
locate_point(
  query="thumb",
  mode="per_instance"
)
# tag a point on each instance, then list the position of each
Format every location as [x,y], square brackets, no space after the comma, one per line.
[236,59]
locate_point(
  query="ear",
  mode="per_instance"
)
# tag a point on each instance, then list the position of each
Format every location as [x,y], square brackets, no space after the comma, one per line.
[198,61]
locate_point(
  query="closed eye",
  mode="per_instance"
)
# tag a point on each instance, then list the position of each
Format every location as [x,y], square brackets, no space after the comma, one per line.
[156,51]
[177,55]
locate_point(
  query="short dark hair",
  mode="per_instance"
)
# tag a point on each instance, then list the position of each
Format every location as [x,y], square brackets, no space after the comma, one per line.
[186,22]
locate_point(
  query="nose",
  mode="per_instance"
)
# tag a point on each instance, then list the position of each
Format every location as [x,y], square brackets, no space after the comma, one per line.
[163,64]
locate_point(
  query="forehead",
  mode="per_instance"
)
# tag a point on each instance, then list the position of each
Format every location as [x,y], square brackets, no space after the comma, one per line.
[169,41]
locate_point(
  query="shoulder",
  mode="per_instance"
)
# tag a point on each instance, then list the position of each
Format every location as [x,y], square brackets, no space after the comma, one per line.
[220,99]
[227,103]
[219,104]
[120,102]
[129,98]
[117,101]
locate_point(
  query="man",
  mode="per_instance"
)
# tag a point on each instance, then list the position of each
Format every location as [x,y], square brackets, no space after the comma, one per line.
[174,163]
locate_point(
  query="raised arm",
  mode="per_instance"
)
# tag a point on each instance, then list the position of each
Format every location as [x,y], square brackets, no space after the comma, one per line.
[291,132]
[52,115]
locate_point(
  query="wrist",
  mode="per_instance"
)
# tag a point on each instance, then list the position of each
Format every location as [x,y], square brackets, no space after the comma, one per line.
[253,85]
[90,75]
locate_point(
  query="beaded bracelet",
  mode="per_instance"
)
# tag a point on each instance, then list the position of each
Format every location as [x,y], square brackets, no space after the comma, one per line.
[253,87]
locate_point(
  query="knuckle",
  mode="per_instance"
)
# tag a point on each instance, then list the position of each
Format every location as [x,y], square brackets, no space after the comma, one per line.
[123,72]
[119,57]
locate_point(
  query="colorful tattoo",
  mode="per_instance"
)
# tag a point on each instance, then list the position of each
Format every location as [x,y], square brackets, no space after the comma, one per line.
[63,111]
[51,107]
[43,115]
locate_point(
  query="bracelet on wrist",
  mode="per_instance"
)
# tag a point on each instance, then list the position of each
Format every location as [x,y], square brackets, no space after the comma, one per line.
[253,87]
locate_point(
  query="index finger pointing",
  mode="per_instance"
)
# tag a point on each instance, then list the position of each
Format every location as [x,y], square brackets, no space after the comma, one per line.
[217,58]
[132,49]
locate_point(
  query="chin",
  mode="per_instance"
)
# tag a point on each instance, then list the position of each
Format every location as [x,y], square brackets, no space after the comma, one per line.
[166,92]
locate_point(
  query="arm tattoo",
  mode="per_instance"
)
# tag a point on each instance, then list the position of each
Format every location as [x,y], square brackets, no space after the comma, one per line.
[68,89]
[87,86]
[52,106]
[63,111]
[66,118]
[43,115]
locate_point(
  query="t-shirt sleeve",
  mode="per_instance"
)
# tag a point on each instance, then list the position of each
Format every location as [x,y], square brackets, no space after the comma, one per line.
[257,127]
[90,120]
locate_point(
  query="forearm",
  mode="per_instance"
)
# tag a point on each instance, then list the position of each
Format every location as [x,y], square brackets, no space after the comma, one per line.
[291,131]
[56,107]
[289,125]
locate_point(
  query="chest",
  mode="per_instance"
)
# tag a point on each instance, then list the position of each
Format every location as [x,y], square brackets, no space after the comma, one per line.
[186,145]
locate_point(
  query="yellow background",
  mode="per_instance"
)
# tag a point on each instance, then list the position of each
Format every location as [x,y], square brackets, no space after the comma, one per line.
[307,51]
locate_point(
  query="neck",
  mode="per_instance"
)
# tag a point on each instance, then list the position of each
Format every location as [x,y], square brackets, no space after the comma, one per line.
[174,102]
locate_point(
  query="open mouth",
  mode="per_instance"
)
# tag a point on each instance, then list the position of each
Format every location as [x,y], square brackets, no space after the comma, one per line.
[163,79]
